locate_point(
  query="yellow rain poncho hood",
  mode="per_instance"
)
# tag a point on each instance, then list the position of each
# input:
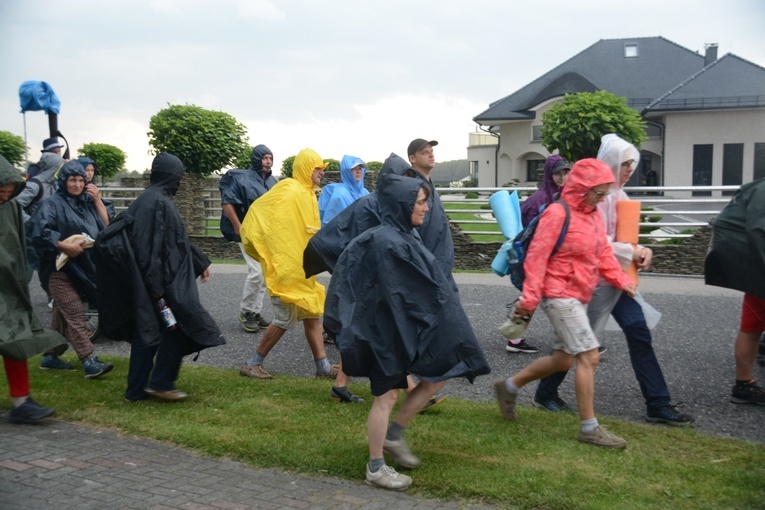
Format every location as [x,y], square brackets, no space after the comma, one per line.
[277,229]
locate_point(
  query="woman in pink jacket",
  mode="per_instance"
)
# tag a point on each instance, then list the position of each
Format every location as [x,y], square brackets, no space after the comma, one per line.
[562,284]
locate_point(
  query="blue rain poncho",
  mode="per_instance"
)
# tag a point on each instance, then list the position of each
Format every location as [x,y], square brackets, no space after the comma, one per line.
[337,196]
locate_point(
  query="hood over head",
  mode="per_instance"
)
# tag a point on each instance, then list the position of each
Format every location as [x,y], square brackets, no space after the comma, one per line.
[396,196]
[304,164]
[69,169]
[395,164]
[554,163]
[167,171]
[614,151]
[9,175]
[256,157]
[346,175]
[85,161]
[585,174]
[49,161]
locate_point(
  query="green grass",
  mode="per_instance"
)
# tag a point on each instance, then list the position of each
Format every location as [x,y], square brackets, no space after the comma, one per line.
[492,227]
[469,452]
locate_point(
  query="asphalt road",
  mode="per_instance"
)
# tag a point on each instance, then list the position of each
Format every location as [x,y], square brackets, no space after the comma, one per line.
[693,341]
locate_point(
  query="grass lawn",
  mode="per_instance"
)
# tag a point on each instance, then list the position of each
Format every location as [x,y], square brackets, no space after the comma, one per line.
[469,452]
[493,227]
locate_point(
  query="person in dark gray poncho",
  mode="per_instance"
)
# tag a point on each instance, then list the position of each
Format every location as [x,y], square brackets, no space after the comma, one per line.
[387,300]
[145,255]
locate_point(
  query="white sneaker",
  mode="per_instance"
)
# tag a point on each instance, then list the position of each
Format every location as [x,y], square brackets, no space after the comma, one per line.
[388,478]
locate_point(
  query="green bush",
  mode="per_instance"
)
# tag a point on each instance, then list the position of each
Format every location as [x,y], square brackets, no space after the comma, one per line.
[374,166]
[575,125]
[471,194]
[12,148]
[110,159]
[287,166]
[204,140]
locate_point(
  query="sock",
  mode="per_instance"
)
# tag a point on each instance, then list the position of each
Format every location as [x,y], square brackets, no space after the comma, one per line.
[256,359]
[515,341]
[395,432]
[376,464]
[323,365]
[589,425]
[510,385]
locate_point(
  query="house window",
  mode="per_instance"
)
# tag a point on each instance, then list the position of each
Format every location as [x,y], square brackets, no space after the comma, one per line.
[536,133]
[702,168]
[652,131]
[630,50]
[733,165]
[759,161]
[535,170]
[474,170]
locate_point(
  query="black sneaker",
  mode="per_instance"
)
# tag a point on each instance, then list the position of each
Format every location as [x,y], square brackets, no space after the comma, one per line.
[668,415]
[29,412]
[602,349]
[554,404]
[751,393]
[345,395]
[521,346]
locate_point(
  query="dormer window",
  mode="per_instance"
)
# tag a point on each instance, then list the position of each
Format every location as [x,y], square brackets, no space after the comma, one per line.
[630,50]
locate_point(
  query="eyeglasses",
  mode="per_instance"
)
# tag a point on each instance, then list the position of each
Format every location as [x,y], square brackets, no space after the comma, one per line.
[601,193]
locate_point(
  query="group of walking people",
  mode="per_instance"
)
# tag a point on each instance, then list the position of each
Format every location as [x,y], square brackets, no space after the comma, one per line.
[392,305]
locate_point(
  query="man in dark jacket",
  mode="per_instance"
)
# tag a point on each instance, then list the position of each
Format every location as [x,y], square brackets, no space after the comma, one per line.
[238,190]
[144,256]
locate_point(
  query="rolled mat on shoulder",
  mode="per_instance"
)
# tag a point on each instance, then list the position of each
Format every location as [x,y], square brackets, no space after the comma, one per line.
[628,229]
[507,211]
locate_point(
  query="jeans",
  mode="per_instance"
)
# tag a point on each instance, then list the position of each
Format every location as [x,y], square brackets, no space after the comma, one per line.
[629,316]
[144,372]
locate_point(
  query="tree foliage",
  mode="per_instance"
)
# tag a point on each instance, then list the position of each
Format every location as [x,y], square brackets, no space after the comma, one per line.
[110,159]
[204,140]
[333,165]
[12,148]
[575,125]
[374,166]
[287,166]
[243,160]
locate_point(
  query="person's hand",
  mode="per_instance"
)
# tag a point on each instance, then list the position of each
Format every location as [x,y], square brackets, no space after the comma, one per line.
[93,192]
[630,290]
[73,250]
[236,228]
[521,312]
[205,276]
[642,257]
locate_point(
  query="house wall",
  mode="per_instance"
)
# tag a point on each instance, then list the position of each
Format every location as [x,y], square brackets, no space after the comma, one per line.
[684,130]
[486,156]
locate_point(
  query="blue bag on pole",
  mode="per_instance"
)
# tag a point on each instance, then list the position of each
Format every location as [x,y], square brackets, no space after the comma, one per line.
[507,211]
[38,95]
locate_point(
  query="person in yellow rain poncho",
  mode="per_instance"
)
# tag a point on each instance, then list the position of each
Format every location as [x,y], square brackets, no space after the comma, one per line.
[275,232]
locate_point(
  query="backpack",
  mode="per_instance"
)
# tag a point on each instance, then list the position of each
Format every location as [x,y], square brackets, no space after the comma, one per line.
[516,254]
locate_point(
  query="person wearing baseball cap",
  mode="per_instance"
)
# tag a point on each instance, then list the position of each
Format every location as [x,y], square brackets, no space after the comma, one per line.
[52,145]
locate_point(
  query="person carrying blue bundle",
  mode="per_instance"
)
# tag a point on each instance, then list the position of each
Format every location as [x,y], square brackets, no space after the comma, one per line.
[337,196]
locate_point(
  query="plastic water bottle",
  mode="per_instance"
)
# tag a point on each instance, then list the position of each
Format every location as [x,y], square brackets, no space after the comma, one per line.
[167,315]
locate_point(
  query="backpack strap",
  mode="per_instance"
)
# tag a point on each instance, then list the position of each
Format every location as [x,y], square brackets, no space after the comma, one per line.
[565,225]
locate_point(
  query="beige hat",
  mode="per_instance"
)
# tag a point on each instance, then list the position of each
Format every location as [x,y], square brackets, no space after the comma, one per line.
[86,241]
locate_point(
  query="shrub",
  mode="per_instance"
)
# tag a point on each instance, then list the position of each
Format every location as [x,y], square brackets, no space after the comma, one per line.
[110,159]
[471,194]
[12,148]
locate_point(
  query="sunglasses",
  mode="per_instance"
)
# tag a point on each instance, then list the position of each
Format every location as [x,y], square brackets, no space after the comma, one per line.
[601,193]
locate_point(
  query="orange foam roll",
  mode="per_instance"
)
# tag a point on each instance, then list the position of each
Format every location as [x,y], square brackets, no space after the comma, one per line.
[628,229]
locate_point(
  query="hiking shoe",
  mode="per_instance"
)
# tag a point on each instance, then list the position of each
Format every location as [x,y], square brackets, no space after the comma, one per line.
[171,395]
[668,415]
[433,402]
[51,302]
[53,362]
[94,368]
[29,412]
[521,346]
[388,478]
[255,372]
[327,339]
[554,404]
[506,400]
[749,394]
[253,322]
[602,349]
[332,374]
[401,454]
[599,436]
[344,395]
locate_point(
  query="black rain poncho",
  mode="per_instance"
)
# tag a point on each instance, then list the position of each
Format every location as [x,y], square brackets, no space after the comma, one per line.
[391,308]
[21,334]
[144,254]
[60,216]
[327,244]
[736,258]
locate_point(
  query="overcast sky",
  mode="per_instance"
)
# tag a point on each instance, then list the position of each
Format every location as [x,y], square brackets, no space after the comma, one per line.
[359,77]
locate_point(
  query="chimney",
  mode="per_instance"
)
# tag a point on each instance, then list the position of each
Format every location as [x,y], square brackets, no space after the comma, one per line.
[711,53]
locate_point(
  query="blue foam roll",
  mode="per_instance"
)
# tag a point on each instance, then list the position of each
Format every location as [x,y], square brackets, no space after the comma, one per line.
[500,265]
[507,211]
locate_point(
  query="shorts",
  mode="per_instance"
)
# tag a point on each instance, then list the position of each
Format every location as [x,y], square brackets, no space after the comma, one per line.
[752,314]
[568,316]
[287,315]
